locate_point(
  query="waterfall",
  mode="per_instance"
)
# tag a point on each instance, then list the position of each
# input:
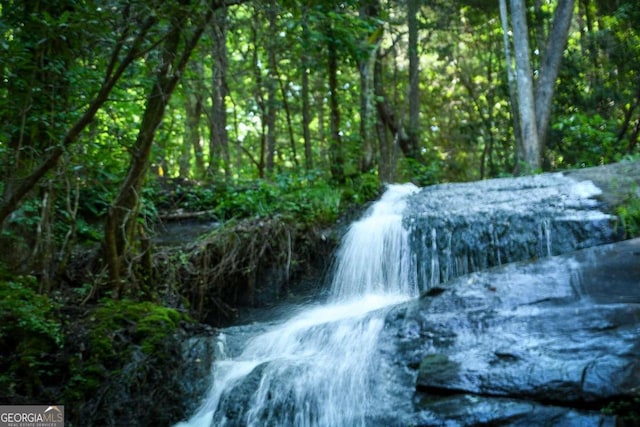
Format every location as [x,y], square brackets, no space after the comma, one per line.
[460,228]
[316,368]
[327,365]
[375,255]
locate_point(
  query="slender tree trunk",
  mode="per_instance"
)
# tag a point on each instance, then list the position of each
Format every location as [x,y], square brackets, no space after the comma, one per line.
[194,108]
[550,67]
[413,130]
[511,79]
[191,138]
[122,215]
[218,135]
[287,111]
[369,10]
[385,161]
[529,158]
[270,123]
[306,110]
[336,151]
[319,101]
[260,101]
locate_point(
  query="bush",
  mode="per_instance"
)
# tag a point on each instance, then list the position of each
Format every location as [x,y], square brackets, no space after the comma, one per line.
[629,218]
[30,337]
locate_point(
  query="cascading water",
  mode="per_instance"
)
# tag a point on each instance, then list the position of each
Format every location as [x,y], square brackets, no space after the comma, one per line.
[457,229]
[327,365]
[316,368]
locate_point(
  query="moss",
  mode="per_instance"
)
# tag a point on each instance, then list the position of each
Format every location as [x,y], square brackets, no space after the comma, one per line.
[115,330]
[437,370]
[625,409]
[629,217]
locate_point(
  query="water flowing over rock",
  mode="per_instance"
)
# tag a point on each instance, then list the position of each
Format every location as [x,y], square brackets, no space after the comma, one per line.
[526,317]
[457,229]
[317,368]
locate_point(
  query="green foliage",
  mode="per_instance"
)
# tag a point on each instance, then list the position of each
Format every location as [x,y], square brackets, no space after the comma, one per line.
[629,217]
[582,140]
[419,173]
[360,189]
[626,410]
[308,198]
[30,333]
[114,330]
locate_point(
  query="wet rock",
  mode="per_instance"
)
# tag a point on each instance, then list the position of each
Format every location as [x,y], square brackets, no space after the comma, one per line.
[553,340]
[460,228]
[438,371]
[152,389]
[473,410]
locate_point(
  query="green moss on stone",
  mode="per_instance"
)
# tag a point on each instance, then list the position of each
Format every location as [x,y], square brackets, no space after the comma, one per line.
[437,370]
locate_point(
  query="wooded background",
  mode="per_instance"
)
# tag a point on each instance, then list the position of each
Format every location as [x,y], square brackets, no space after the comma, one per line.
[101,102]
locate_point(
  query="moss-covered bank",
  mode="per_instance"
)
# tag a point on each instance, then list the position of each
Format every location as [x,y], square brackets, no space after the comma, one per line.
[113,363]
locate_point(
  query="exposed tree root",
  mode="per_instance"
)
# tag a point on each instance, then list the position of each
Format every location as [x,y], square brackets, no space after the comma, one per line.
[242,263]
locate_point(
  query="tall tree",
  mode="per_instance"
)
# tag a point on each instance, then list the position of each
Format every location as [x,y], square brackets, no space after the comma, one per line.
[529,150]
[122,216]
[336,150]
[305,65]
[369,12]
[413,130]
[271,83]
[534,103]
[193,90]
[218,135]
[128,45]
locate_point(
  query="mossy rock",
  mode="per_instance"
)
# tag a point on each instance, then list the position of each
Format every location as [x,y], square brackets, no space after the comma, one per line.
[437,371]
[117,325]
[114,332]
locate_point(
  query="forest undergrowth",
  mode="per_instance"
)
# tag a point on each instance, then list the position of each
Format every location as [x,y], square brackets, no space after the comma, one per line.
[77,343]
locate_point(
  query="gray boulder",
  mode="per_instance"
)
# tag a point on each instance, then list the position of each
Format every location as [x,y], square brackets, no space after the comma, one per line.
[549,342]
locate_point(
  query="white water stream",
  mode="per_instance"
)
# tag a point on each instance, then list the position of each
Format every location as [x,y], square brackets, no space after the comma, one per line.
[315,369]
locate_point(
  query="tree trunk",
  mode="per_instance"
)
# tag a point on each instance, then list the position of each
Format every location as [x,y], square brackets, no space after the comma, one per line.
[369,10]
[529,156]
[336,152]
[122,215]
[287,112]
[271,87]
[385,162]
[511,79]
[550,67]
[260,102]
[306,114]
[413,130]
[218,135]
[194,109]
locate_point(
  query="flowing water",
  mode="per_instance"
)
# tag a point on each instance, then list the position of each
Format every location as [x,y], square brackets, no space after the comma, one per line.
[323,366]
[315,369]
